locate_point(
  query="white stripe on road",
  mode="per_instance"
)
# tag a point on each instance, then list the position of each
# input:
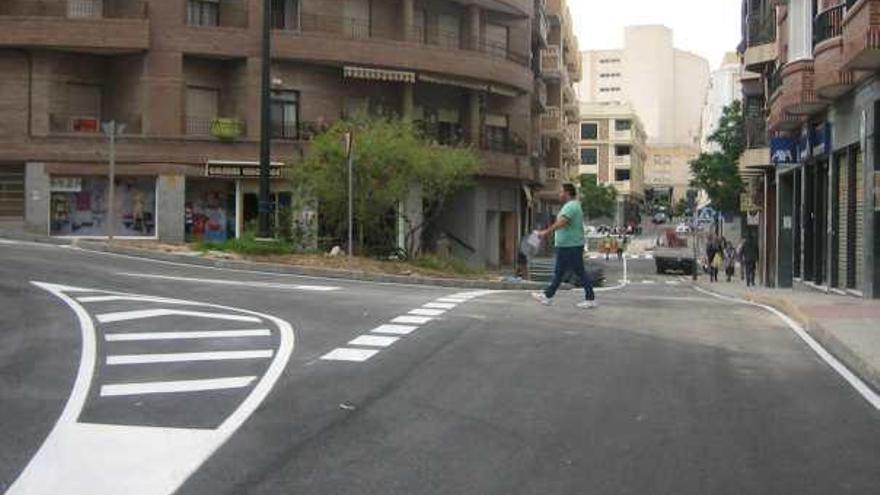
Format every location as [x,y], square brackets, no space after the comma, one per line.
[456,300]
[417,320]
[395,329]
[213,334]
[427,312]
[374,341]
[649,282]
[672,282]
[348,354]
[152,313]
[262,285]
[439,305]
[91,299]
[179,357]
[176,386]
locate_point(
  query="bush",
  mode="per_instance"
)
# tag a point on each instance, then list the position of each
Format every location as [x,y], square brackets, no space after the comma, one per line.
[247,244]
[445,264]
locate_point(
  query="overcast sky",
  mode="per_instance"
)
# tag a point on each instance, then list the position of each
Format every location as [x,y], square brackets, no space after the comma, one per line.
[707,27]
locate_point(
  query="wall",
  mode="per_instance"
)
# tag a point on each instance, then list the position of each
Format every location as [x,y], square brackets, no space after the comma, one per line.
[691,87]
[649,61]
[13,94]
[171,195]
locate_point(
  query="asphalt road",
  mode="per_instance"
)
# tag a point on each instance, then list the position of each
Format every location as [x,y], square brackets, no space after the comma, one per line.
[120,375]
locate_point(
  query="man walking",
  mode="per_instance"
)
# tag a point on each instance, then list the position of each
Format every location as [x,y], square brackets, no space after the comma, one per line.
[749,260]
[568,230]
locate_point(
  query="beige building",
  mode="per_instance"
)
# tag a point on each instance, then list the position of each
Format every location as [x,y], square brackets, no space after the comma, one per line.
[613,151]
[666,87]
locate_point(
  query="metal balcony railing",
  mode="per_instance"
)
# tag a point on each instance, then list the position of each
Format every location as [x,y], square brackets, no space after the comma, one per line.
[511,144]
[774,82]
[297,131]
[828,24]
[220,127]
[762,27]
[365,29]
[86,123]
[756,132]
[75,9]
[551,59]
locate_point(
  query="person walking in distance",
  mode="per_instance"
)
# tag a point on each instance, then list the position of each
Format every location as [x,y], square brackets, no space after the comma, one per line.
[729,261]
[750,260]
[568,232]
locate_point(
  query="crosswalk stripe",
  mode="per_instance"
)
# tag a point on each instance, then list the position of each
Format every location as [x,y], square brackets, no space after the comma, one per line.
[211,334]
[439,305]
[118,389]
[648,282]
[151,313]
[395,329]
[427,312]
[373,340]
[179,357]
[349,354]
[418,320]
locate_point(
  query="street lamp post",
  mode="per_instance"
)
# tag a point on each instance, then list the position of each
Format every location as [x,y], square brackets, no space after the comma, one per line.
[112,129]
[265,204]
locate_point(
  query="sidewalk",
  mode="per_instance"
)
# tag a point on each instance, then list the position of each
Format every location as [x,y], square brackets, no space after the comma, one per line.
[848,327]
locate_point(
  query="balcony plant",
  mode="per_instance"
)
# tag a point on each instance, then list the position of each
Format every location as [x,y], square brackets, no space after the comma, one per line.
[226,129]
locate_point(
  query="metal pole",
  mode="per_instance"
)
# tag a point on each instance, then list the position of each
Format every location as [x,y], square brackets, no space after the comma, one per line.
[111,206]
[350,195]
[265,204]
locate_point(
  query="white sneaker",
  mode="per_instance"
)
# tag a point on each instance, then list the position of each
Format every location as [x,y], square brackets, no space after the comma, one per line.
[542,298]
[588,305]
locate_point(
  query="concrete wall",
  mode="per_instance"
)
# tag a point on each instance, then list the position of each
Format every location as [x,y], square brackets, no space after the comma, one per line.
[690,92]
[36,190]
[171,194]
[473,217]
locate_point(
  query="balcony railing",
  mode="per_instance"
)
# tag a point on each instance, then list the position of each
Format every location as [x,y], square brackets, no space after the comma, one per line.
[75,9]
[551,121]
[828,24]
[78,123]
[551,59]
[511,144]
[762,27]
[297,131]
[364,29]
[756,132]
[774,82]
[223,128]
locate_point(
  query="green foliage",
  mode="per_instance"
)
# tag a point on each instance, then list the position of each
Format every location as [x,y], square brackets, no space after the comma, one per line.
[681,208]
[390,156]
[597,200]
[446,264]
[717,173]
[247,244]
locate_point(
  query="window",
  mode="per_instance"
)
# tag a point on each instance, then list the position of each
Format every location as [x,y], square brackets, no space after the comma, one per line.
[84,109]
[621,175]
[285,114]
[553,174]
[497,39]
[201,109]
[589,131]
[449,31]
[622,150]
[285,14]
[203,12]
[589,156]
[622,125]
[497,133]
[78,206]
[84,9]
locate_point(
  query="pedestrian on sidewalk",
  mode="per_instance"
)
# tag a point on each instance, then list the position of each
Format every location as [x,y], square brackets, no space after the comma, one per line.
[729,261]
[749,260]
[712,249]
[568,233]
[716,265]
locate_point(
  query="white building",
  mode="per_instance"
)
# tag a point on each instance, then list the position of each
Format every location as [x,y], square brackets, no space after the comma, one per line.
[725,87]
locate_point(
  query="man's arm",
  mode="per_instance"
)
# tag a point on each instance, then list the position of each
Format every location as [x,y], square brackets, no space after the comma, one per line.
[560,223]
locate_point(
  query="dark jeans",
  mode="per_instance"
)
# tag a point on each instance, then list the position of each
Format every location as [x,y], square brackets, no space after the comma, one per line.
[749,267]
[570,259]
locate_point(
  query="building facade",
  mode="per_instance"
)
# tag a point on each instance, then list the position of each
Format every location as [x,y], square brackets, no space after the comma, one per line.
[725,87]
[613,152]
[182,78]
[666,86]
[812,72]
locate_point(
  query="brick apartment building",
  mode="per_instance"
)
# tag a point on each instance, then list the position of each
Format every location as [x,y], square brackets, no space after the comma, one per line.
[183,76]
[812,106]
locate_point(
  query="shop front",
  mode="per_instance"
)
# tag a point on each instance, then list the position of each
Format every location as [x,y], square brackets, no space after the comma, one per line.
[79,206]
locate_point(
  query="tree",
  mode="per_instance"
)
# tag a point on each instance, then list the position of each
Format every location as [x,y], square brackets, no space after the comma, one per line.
[681,208]
[717,173]
[597,200]
[391,158]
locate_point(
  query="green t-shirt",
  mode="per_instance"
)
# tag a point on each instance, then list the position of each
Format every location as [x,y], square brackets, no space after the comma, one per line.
[572,235]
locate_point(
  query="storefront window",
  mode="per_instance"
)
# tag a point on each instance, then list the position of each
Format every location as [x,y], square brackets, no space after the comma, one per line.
[209,212]
[78,206]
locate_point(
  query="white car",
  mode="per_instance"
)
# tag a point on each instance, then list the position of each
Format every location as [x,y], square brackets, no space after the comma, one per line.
[682,228]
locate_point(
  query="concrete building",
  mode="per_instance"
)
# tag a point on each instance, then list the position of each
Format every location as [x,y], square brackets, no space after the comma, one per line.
[613,151]
[812,91]
[666,86]
[725,87]
[184,78]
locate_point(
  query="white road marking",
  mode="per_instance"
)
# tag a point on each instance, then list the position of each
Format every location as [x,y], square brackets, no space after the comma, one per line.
[456,300]
[152,313]
[418,320]
[439,305]
[262,285]
[426,312]
[649,282]
[672,282]
[395,329]
[374,341]
[209,334]
[135,460]
[118,389]
[349,354]
[180,357]
[161,300]
[855,382]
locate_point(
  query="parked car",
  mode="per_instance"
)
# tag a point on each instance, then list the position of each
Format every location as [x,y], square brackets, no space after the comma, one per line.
[659,218]
[682,228]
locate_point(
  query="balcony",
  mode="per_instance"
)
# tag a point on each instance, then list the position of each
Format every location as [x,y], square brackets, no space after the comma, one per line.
[540,94]
[84,25]
[297,131]
[798,94]
[622,161]
[756,132]
[831,79]
[220,128]
[861,35]
[551,122]
[551,62]
[84,125]
[541,25]
[761,47]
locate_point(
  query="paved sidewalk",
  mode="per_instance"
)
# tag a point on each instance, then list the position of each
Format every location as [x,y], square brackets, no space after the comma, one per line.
[848,327]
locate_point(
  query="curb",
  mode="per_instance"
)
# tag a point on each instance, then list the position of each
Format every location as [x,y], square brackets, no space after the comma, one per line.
[844,353]
[309,271]
[18,235]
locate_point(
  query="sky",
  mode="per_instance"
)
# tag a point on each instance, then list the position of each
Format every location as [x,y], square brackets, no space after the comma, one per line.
[706,27]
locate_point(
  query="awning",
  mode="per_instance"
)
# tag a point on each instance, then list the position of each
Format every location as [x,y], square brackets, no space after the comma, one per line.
[379,74]
[448,81]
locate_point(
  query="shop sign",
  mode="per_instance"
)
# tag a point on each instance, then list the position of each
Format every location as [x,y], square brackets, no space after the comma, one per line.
[753,218]
[804,146]
[66,184]
[240,170]
[820,139]
[783,151]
